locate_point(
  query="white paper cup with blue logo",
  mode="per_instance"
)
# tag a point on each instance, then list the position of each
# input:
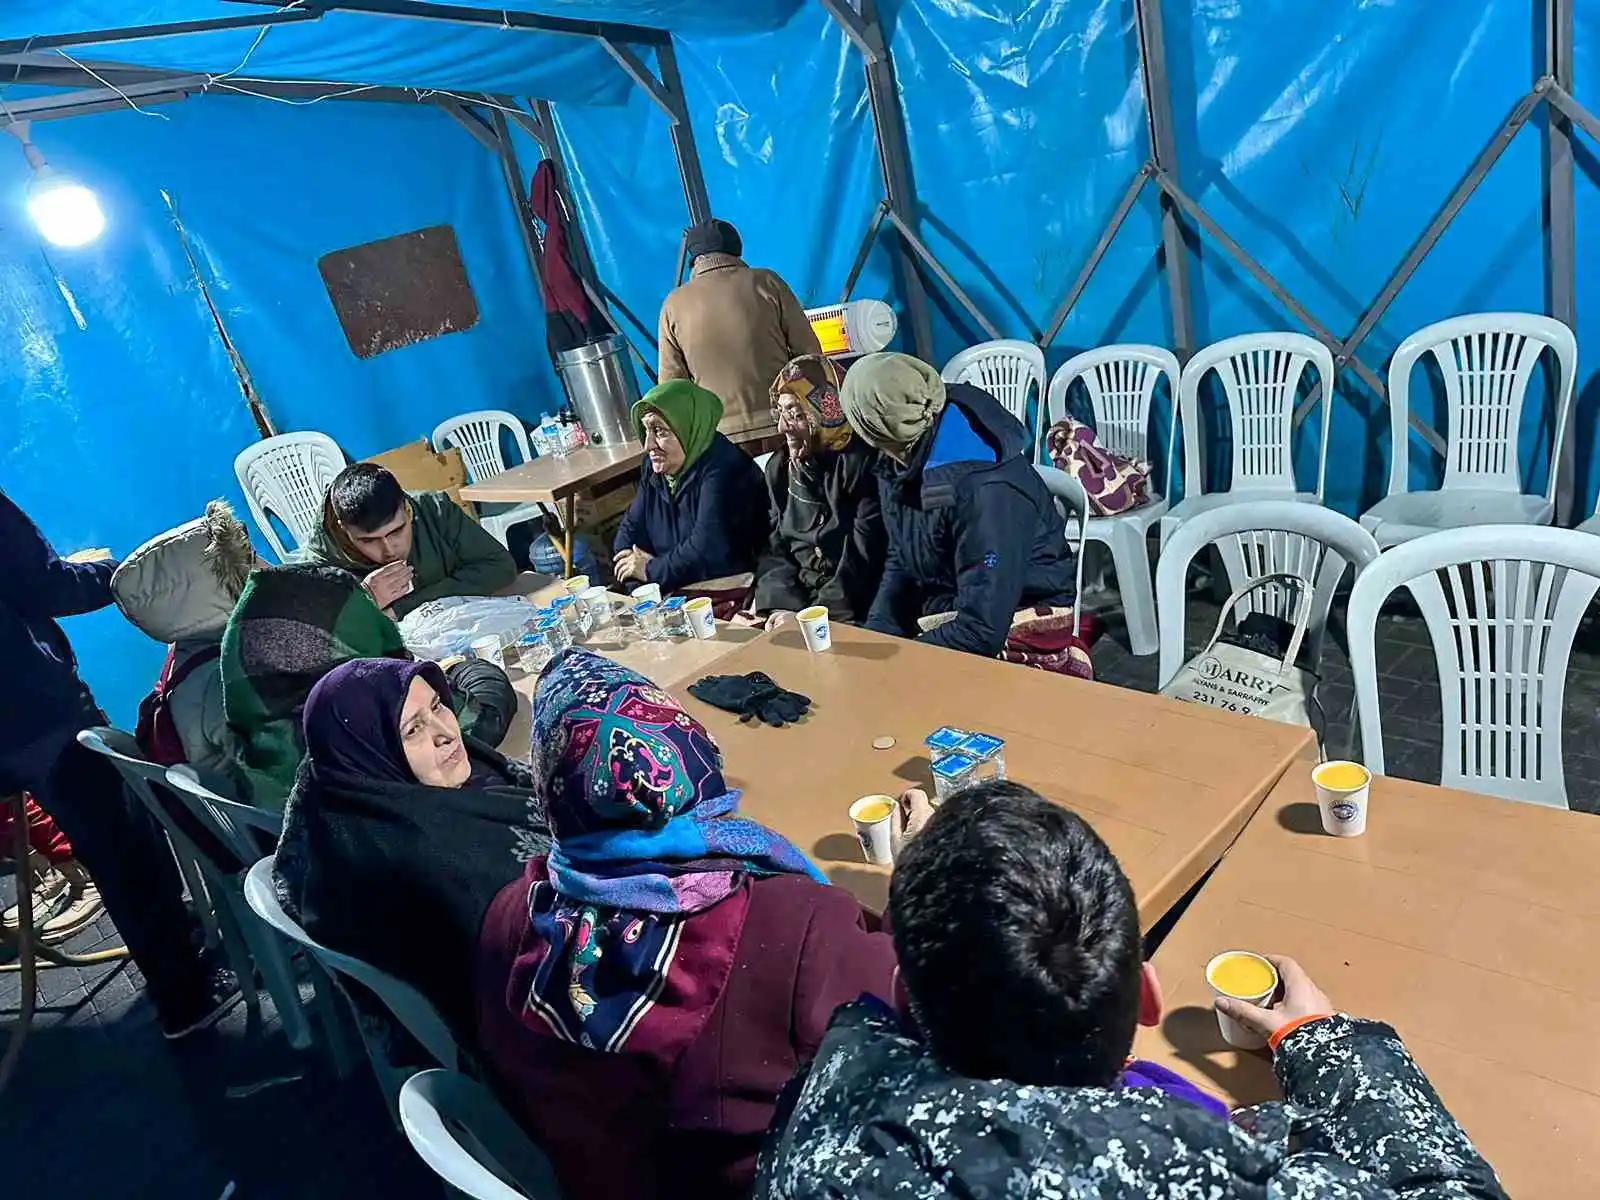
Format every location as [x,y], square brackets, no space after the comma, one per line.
[815,627]
[1342,791]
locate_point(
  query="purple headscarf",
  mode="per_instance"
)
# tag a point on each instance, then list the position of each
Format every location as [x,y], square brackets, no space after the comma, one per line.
[352,717]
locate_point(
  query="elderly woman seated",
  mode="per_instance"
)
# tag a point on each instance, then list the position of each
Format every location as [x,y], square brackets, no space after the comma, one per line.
[647,989]
[827,541]
[400,831]
[701,511]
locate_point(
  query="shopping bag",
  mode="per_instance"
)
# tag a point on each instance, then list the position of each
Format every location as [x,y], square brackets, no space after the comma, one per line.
[1231,677]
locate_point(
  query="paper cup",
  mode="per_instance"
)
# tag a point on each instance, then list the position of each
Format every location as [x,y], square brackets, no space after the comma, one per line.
[879,832]
[816,628]
[490,650]
[702,620]
[1233,1033]
[577,585]
[647,591]
[1342,791]
[597,603]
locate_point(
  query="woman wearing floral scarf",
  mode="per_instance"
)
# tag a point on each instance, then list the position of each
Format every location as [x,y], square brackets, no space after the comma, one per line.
[646,990]
[828,542]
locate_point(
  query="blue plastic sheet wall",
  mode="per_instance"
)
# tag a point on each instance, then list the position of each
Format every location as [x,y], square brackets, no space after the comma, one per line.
[785,140]
[126,422]
[1322,137]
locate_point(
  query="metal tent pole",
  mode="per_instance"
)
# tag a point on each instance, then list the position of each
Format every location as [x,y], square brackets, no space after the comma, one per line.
[1560,232]
[889,132]
[689,172]
[519,198]
[1163,150]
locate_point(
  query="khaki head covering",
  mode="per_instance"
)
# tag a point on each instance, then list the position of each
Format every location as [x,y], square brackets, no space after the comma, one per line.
[891,400]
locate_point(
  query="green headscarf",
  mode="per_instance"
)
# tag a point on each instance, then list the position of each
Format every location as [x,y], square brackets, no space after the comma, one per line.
[690,412]
[891,400]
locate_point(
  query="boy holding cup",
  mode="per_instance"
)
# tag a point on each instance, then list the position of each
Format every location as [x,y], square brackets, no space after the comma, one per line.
[1004,1066]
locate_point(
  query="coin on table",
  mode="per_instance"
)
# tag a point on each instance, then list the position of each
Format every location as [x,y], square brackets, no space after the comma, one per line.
[883,743]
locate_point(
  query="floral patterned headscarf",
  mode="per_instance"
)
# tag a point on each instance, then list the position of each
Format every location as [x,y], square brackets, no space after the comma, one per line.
[814,381]
[645,832]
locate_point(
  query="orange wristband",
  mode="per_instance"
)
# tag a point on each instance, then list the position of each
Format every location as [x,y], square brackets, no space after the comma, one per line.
[1284,1031]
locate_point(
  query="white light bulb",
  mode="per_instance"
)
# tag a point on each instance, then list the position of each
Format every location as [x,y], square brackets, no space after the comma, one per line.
[65,212]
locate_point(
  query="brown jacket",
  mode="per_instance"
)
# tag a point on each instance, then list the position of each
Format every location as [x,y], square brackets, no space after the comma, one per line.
[731,329]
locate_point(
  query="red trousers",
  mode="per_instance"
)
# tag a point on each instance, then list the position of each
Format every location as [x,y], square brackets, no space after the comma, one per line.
[43,835]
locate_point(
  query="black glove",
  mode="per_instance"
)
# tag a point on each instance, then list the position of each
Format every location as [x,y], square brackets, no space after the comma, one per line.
[753,696]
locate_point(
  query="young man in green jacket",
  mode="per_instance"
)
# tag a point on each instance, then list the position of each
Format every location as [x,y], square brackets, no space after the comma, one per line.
[406,549]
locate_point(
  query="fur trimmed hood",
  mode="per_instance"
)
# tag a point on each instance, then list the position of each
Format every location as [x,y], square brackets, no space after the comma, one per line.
[182,585]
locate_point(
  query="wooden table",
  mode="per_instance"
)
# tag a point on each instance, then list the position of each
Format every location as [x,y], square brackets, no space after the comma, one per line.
[553,479]
[1470,924]
[667,663]
[1168,785]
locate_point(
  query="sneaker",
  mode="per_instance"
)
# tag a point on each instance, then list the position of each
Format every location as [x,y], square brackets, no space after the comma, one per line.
[203,1009]
[50,890]
[82,906]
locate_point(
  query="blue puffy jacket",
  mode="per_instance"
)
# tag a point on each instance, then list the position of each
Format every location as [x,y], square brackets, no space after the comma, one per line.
[36,587]
[972,529]
[714,524]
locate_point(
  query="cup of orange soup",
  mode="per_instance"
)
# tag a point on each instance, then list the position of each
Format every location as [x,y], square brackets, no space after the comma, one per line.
[1342,791]
[1243,976]
[877,820]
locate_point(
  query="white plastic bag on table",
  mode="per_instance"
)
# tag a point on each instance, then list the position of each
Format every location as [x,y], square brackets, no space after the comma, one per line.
[440,628]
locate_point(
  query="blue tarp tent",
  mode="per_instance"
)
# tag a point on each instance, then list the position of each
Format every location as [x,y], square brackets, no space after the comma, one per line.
[1323,139]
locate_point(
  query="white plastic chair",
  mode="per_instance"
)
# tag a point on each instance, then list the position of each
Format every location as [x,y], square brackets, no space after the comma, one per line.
[287,477]
[1260,375]
[1069,494]
[217,847]
[477,436]
[1009,370]
[1502,604]
[460,1130]
[1486,361]
[409,1007]
[1121,383]
[1256,539]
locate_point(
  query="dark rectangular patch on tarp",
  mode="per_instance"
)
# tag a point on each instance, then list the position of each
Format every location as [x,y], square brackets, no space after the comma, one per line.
[400,290]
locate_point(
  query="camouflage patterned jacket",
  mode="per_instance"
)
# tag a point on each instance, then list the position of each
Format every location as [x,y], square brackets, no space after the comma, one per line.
[877,1117]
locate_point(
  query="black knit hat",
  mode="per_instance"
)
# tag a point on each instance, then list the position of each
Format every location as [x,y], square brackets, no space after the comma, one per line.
[712,237]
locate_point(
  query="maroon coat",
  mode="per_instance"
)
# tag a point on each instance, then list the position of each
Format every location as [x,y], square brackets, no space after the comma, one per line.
[682,1111]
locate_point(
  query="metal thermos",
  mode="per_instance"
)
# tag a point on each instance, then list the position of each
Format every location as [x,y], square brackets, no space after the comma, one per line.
[600,383]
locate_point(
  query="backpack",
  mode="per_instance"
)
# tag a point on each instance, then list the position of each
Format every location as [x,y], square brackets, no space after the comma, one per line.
[1112,482]
[156,734]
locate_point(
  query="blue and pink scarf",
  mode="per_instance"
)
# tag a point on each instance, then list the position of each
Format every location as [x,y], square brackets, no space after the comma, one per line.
[645,834]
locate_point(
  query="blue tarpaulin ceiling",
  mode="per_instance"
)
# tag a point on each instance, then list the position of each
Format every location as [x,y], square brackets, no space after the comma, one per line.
[1323,137]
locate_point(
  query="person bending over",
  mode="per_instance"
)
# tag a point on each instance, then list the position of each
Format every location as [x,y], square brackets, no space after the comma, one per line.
[1006,1072]
[972,528]
[827,541]
[730,329]
[400,831]
[701,511]
[406,549]
[647,989]
[291,626]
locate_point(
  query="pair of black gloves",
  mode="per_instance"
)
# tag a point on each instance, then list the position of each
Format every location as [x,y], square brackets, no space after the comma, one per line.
[755,697]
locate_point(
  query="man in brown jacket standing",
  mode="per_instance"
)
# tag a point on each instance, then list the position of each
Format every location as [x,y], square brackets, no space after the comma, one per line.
[731,329]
